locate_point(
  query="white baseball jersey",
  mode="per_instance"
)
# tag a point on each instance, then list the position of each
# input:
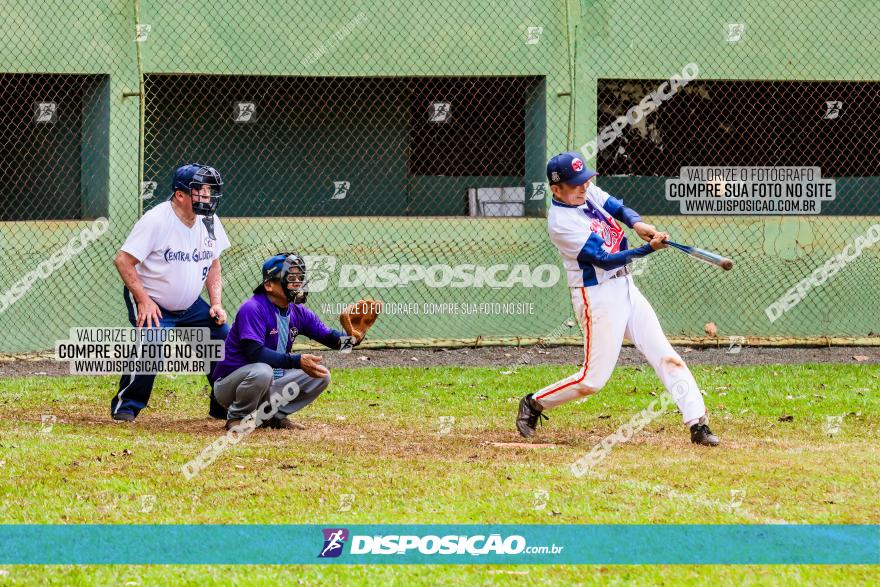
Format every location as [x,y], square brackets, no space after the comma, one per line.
[174,258]
[592,243]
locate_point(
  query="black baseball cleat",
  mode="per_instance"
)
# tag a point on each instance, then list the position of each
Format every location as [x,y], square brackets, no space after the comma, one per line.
[528,416]
[215,410]
[123,416]
[282,424]
[700,434]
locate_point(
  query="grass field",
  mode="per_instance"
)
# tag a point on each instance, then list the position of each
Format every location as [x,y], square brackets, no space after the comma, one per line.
[381,447]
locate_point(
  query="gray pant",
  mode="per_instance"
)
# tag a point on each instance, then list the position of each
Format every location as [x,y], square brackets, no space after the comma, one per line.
[247,388]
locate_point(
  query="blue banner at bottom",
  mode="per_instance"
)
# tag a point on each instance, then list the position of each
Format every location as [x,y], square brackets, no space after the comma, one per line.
[439,544]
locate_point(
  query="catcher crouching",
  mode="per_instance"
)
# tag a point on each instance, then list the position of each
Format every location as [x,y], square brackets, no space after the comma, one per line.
[259,380]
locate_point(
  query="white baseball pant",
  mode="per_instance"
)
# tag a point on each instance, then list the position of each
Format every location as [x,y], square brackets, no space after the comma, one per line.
[607,313]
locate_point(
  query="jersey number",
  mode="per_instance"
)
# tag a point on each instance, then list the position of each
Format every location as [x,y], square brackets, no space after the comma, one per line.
[204,273]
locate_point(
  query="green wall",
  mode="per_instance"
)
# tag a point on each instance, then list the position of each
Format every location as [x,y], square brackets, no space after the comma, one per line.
[812,40]
[223,37]
[636,39]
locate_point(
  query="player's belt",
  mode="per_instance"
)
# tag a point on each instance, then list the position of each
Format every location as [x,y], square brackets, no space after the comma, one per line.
[622,272]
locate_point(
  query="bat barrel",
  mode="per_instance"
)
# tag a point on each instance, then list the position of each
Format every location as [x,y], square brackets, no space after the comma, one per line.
[703,255]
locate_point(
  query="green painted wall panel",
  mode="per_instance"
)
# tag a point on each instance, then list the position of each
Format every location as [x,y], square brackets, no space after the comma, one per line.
[637,39]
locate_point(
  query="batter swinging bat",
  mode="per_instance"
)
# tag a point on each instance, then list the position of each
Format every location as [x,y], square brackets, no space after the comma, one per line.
[704,256]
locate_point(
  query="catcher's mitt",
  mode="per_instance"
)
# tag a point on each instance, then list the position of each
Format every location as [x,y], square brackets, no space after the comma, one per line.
[357,318]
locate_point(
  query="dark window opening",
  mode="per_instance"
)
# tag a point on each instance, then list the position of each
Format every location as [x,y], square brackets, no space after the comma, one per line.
[832,125]
[54,146]
[347,146]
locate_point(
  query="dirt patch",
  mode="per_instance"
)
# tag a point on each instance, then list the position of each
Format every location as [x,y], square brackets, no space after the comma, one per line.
[522,445]
[512,357]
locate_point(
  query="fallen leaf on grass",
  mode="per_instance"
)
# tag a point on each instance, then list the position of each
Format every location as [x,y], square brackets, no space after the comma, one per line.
[786,418]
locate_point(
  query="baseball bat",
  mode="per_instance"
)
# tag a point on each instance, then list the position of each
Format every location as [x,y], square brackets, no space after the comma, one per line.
[704,256]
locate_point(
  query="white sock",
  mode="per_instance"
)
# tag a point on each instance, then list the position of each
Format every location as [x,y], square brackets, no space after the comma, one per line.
[701,420]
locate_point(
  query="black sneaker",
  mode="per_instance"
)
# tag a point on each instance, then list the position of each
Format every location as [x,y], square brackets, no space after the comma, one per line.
[282,424]
[123,416]
[215,410]
[700,434]
[528,416]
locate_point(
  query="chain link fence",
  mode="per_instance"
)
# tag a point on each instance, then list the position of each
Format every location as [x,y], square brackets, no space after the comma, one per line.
[753,124]
[69,151]
[401,149]
[778,84]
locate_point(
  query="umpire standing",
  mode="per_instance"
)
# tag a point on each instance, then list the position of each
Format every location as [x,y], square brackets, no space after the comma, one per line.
[172,252]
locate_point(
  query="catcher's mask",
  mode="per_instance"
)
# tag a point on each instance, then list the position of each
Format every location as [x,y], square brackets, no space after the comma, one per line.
[195,179]
[289,269]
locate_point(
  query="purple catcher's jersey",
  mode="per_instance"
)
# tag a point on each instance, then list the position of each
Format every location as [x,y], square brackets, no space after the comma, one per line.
[260,320]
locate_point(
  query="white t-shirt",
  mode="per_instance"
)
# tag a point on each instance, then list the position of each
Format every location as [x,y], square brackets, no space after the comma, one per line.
[174,259]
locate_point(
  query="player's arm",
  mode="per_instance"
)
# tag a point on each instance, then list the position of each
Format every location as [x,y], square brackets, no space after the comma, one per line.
[214,279]
[571,243]
[592,252]
[148,312]
[256,351]
[214,285]
[625,214]
[145,237]
[315,329]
